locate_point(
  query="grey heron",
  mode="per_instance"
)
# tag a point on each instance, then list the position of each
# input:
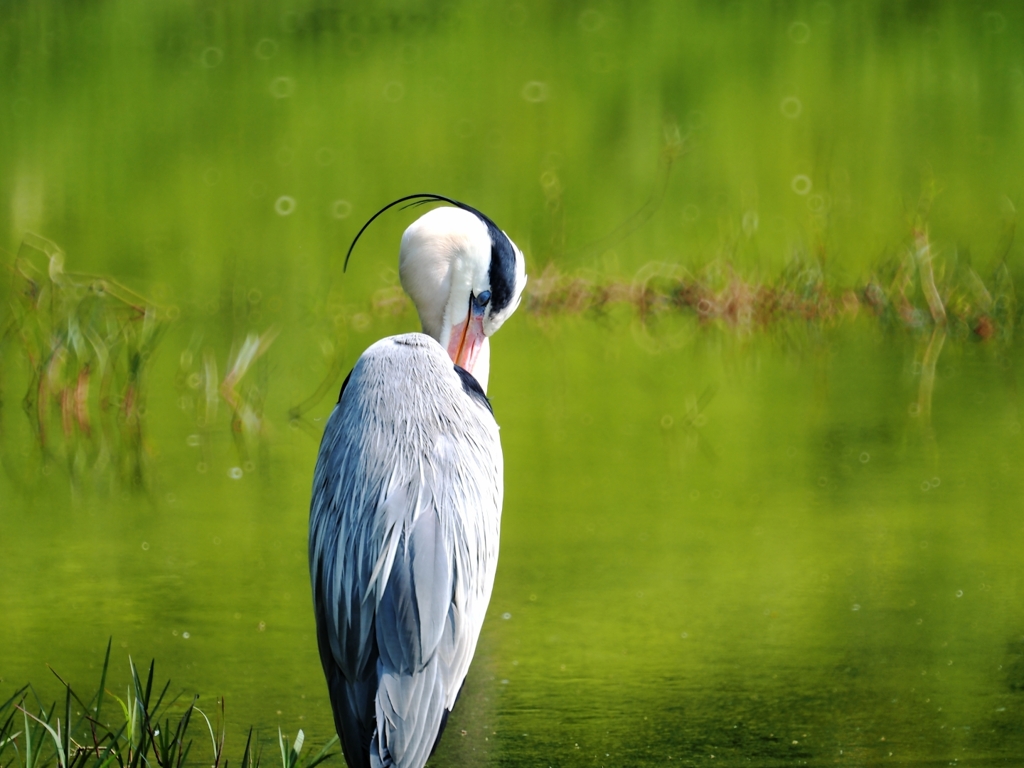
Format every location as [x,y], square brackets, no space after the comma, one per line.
[407,492]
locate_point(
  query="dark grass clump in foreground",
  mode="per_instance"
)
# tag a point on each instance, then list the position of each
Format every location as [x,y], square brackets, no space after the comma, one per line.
[145,728]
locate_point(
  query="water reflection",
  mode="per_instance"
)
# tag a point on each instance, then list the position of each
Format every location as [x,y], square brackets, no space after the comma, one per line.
[928,362]
[201,390]
[674,592]
[728,597]
[655,295]
[84,346]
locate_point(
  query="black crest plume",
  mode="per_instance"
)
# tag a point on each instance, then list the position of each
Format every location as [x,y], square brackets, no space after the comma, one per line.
[421,198]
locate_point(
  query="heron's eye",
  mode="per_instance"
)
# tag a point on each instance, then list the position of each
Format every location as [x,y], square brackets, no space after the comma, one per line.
[482,299]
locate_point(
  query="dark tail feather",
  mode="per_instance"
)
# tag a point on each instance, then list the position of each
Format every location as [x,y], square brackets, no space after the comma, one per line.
[352,703]
[444,720]
[353,717]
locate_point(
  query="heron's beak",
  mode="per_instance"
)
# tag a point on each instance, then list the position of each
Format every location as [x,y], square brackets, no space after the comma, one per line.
[466,341]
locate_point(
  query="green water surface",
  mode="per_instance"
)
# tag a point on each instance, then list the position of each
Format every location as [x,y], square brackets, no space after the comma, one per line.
[720,545]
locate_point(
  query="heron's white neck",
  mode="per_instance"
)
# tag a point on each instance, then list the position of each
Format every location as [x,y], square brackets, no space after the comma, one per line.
[444,254]
[482,369]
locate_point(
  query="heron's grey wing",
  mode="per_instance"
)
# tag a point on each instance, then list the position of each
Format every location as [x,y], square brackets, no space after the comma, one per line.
[413,613]
[356,494]
[403,547]
[344,623]
[438,583]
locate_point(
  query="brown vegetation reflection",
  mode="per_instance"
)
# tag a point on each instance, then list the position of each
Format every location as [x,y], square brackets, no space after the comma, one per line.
[955,297]
[80,348]
[85,343]
[243,389]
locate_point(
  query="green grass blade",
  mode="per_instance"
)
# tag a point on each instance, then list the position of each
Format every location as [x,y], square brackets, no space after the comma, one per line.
[6,737]
[98,701]
[282,742]
[112,752]
[71,693]
[323,754]
[67,724]
[213,737]
[10,701]
[29,761]
[184,755]
[53,734]
[124,709]
[138,742]
[246,755]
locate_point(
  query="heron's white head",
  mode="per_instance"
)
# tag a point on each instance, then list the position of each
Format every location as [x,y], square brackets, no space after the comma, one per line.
[466,277]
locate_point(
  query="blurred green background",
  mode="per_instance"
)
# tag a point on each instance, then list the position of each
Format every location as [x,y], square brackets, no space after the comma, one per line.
[797,544]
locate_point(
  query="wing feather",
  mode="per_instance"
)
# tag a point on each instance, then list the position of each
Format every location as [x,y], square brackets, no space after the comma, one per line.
[404,527]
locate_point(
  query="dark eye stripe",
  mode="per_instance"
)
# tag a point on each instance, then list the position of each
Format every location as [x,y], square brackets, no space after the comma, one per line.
[503,268]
